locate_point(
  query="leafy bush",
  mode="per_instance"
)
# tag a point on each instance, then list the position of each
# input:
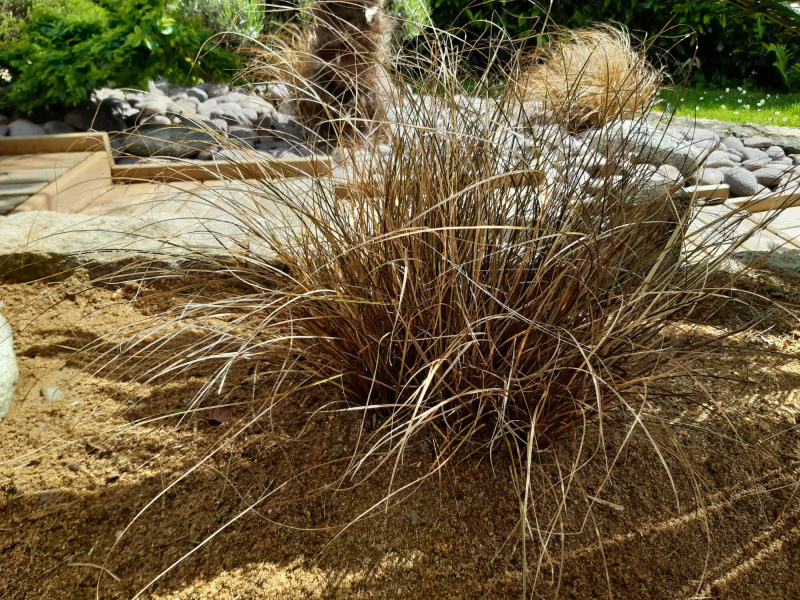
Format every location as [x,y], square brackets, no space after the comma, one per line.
[243,19]
[65,51]
[728,43]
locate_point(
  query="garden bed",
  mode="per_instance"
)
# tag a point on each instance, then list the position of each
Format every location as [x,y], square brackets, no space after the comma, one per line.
[75,468]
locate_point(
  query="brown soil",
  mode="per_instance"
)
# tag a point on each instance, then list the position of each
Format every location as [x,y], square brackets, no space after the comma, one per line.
[713,514]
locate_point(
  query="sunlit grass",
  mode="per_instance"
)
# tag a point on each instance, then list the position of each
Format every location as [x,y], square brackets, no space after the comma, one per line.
[737,104]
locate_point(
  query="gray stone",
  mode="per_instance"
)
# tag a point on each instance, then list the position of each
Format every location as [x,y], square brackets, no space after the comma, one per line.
[3,130]
[73,466]
[179,141]
[58,127]
[220,125]
[278,92]
[737,158]
[732,143]
[215,89]
[705,147]
[781,166]
[709,177]
[235,97]
[244,133]
[757,141]
[768,176]
[155,106]
[271,145]
[795,158]
[229,111]
[775,152]
[646,144]
[669,172]
[51,394]
[24,128]
[753,154]
[9,372]
[755,163]
[198,93]
[207,105]
[149,119]
[718,159]
[104,93]
[250,115]
[84,119]
[741,182]
[698,134]
[784,160]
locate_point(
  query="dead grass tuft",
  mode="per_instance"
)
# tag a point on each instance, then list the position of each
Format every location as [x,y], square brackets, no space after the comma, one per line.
[588,77]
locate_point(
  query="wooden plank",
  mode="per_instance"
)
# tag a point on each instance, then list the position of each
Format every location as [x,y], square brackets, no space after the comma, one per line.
[67,142]
[76,189]
[9,203]
[31,175]
[135,198]
[41,161]
[210,169]
[719,192]
[20,189]
[769,201]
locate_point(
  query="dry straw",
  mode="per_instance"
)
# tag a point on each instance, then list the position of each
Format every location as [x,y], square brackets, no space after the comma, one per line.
[588,77]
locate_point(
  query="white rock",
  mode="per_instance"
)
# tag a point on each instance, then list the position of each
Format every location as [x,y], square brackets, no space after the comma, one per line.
[9,372]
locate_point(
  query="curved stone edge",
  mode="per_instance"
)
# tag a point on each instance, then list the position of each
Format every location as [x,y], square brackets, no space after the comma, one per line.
[787,138]
[9,371]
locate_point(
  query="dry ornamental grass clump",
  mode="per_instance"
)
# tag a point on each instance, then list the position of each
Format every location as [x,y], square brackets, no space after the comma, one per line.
[588,77]
[334,69]
[464,281]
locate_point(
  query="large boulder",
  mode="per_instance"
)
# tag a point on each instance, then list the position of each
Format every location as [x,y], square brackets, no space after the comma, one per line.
[645,143]
[177,141]
[9,372]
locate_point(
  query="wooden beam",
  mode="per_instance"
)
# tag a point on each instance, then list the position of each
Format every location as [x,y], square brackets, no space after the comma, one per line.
[67,142]
[769,201]
[76,189]
[59,160]
[19,175]
[211,169]
[21,188]
[711,192]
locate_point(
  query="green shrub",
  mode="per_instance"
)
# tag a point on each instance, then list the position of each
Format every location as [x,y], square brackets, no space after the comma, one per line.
[243,19]
[728,43]
[68,49]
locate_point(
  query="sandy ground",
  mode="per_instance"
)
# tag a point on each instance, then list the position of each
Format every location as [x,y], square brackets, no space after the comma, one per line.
[721,522]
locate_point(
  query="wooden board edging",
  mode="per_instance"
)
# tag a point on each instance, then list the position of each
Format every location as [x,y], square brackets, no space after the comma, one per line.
[770,201]
[211,169]
[65,142]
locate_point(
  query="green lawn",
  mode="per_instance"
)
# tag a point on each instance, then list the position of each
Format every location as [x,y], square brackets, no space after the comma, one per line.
[740,105]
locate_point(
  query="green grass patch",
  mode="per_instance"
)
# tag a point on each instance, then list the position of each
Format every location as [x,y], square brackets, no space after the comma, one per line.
[737,104]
